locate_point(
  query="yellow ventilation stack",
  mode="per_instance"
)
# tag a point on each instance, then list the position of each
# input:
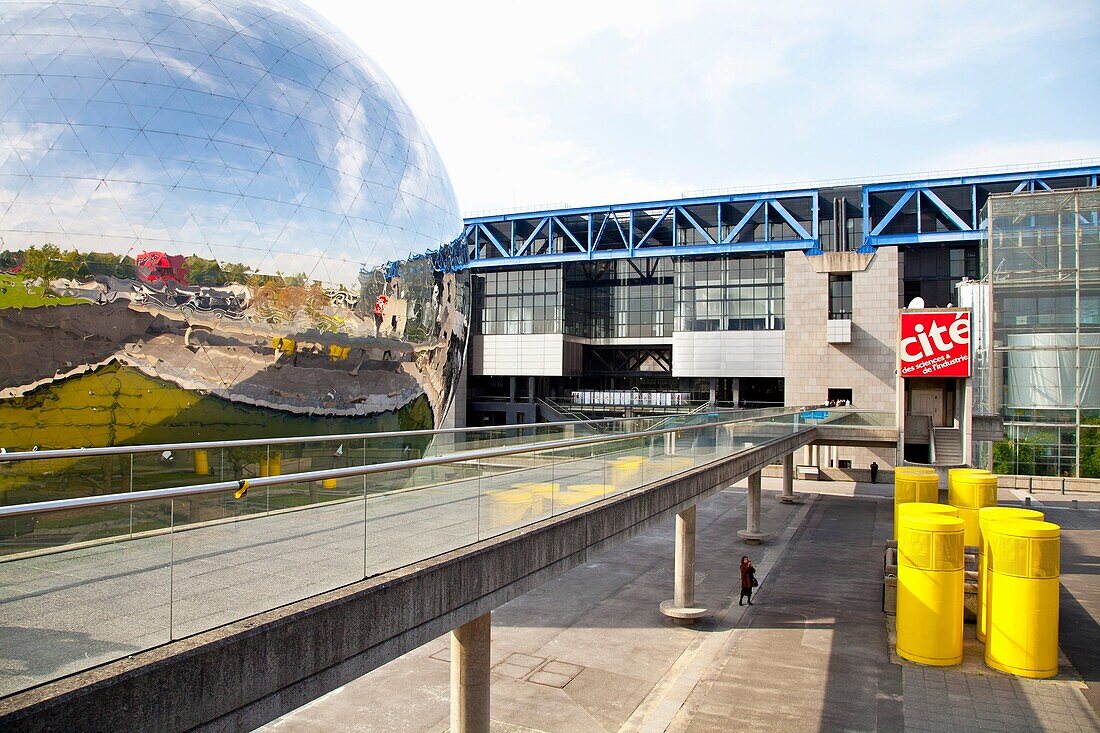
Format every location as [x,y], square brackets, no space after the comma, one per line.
[1022,638]
[968,490]
[930,589]
[985,516]
[910,486]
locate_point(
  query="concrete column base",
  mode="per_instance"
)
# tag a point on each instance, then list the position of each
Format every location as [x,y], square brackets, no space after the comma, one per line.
[752,538]
[681,615]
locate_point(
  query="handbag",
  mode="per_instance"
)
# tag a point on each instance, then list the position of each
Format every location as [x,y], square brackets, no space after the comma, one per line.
[755,582]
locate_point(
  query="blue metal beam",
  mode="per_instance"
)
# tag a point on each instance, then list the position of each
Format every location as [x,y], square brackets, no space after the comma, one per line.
[892,212]
[784,245]
[568,233]
[923,238]
[695,225]
[591,241]
[741,224]
[493,239]
[653,228]
[531,238]
[790,219]
[946,210]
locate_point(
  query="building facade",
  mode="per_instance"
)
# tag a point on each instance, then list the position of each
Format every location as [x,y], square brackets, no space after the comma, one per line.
[1041,257]
[745,299]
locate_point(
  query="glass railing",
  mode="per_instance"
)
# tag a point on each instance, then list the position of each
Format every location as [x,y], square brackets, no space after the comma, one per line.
[853,418]
[88,580]
[60,474]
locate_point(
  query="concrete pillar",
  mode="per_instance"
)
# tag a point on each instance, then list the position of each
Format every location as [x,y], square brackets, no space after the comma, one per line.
[682,607]
[713,392]
[752,534]
[788,496]
[470,649]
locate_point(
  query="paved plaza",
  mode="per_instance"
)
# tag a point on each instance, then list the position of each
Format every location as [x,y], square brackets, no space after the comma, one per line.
[589,651]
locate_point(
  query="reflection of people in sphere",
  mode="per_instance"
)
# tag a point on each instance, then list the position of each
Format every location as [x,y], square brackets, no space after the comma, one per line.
[379,309]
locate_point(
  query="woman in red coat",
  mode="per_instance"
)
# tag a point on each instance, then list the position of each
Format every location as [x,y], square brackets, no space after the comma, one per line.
[748,580]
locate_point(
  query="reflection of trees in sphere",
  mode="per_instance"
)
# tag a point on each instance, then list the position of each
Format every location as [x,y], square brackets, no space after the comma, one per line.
[200,203]
[248,133]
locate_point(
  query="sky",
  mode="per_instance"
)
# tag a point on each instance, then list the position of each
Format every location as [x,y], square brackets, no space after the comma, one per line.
[609,101]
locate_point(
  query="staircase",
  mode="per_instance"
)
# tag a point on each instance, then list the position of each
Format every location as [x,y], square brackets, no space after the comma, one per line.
[947,446]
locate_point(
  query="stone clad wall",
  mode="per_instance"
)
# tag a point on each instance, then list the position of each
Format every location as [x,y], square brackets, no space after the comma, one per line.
[867,364]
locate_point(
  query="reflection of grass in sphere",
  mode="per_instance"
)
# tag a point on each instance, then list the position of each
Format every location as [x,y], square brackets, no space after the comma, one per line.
[15,292]
[117,405]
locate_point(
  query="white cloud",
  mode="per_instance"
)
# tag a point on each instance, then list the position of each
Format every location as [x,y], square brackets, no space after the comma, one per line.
[610,101]
[1023,153]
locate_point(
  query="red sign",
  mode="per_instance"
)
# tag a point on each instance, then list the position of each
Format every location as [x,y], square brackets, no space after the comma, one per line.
[934,344]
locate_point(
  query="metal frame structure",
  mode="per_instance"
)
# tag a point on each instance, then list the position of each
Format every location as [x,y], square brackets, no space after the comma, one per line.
[764,222]
[926,211]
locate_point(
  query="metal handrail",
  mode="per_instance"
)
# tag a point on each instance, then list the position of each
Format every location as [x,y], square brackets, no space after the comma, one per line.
[14,456]
[180,492]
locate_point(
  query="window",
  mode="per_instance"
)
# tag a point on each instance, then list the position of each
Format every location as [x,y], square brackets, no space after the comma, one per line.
[730,294]
[518,301]
[619,298]
[840,297]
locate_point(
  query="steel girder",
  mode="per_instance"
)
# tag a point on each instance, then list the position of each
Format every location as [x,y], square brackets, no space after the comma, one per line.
[926,211]
[768,222]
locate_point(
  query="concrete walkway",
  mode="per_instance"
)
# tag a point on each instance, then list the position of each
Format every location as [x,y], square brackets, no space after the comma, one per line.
[589,651]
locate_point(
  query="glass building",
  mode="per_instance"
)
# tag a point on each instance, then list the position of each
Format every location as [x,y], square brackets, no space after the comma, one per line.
[1042,256]
[207,215]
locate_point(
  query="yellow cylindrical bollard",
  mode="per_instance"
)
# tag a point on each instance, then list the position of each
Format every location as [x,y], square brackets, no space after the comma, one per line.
[985,516]
[970,489]
[202,462]
[913,486]
[263,467]
[930,589]
[914,508]
[1022,638]
[911,470]
[275,464]
[328,483]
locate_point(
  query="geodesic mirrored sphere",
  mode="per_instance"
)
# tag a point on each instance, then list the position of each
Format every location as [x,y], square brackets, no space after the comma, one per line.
[208,212]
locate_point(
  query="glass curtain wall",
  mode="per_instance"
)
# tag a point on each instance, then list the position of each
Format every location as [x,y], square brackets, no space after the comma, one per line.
[730,294]
[1042,253]
[634,299]
[518,302]
[619,298]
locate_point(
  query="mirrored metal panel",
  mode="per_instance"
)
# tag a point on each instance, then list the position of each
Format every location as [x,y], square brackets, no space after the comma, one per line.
[218,219]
